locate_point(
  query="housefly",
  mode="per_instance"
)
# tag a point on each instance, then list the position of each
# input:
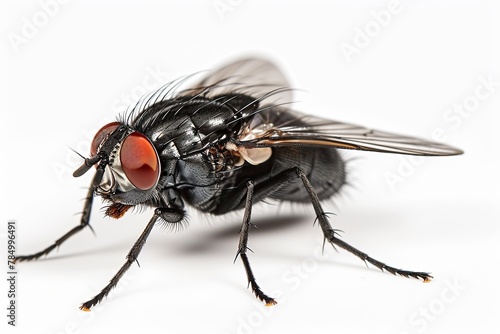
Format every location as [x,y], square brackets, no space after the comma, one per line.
[229,141]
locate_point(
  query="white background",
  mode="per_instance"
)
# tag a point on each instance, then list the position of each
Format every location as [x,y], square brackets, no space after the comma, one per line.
[83,62]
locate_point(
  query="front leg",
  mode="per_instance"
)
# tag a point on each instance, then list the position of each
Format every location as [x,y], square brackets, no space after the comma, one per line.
[84,222]
[167,214]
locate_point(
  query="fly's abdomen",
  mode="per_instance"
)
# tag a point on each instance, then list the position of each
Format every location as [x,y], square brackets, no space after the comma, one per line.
[324,168]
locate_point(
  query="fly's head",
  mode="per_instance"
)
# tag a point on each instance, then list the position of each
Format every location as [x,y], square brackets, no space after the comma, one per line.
[127,165]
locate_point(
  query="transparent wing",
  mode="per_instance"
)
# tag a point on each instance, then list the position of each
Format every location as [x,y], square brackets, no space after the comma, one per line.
[256,77]
[291,128]
[273,127]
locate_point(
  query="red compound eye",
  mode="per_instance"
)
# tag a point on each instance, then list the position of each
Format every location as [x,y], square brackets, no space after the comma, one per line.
[100,135]
[139,161]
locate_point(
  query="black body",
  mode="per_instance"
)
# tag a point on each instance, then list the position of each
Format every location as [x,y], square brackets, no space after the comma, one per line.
[198,169]
[226,143]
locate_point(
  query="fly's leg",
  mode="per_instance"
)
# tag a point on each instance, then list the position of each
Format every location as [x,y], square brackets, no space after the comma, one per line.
[332,238]
[169,215]
[277,182]
[242,248]
[84,222]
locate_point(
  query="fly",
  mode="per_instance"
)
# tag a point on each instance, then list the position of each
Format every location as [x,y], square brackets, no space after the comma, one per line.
[226,143]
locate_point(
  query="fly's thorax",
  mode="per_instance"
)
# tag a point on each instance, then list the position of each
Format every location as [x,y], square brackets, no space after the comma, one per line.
[222,161]
[226,157]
